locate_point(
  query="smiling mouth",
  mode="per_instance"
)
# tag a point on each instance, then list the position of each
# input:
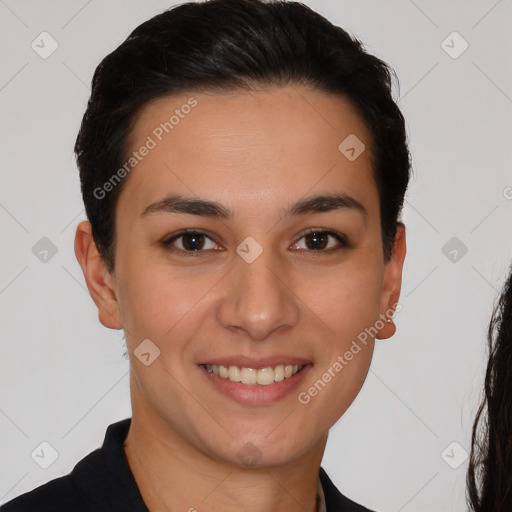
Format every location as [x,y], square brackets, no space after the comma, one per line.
[252,376]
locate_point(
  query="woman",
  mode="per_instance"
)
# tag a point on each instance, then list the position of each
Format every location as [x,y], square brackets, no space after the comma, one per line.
[489,475]
[243,167]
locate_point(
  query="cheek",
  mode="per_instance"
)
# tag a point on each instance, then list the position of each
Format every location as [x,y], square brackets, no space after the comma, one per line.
[156,299]
[348,300]
[162,302]
[333,389]
[348,383]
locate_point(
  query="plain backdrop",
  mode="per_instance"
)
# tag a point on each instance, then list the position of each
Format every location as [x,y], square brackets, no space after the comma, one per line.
[402,445]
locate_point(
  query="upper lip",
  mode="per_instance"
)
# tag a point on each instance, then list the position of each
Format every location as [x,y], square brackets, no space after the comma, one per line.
[256,363]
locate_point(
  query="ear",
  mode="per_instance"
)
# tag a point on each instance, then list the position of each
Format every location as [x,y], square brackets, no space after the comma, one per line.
[100,282]
[392,283]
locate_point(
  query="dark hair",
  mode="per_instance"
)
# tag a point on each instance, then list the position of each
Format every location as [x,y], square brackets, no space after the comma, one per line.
[222,45]
[489,477]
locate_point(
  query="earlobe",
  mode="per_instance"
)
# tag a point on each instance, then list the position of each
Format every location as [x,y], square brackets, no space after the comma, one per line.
[387,330]
[100,282]
[392,284]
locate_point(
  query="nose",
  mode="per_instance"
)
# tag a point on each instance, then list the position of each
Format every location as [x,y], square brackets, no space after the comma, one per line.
[258,298]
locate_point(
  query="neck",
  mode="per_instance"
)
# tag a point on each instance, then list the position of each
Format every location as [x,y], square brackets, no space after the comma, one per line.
[172,474]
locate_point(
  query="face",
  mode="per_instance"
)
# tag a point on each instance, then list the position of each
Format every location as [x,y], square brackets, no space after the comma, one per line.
[264,279]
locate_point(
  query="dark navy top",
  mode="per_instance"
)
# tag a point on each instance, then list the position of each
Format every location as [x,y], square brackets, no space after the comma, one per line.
[103,482]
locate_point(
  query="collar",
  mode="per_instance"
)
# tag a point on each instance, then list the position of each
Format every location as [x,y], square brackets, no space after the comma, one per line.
[104,478]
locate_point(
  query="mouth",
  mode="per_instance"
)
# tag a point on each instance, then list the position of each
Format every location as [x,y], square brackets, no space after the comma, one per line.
[254,376]
[256,383]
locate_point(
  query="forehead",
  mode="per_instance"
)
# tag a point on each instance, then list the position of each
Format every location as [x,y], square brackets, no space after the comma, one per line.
[253,146]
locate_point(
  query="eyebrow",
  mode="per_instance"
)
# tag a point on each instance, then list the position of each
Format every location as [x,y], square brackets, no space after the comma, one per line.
[213,209]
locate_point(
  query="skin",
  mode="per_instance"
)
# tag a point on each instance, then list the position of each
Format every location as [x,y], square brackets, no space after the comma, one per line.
[255,153]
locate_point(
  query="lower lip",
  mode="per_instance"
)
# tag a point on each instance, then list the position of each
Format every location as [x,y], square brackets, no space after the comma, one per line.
[257,394]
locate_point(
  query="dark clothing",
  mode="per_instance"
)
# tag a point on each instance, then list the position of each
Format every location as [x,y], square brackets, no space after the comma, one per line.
[103,482]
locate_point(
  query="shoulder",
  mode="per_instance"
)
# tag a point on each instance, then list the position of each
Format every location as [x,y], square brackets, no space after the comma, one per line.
[90,486]
[58,494]
[334,500]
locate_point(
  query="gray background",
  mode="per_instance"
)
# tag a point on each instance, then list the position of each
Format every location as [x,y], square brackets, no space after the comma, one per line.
[64,378]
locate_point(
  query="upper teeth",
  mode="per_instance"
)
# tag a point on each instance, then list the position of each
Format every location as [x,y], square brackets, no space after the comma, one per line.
[263,376]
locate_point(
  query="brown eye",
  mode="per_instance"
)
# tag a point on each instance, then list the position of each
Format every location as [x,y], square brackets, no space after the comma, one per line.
[193,241]
[190,241]
[321,241]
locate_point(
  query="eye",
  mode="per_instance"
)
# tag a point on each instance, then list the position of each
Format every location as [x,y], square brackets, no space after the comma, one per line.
[317,240]
[193,241]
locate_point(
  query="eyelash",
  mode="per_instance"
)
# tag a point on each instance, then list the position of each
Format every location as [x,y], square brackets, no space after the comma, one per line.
[343,242]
